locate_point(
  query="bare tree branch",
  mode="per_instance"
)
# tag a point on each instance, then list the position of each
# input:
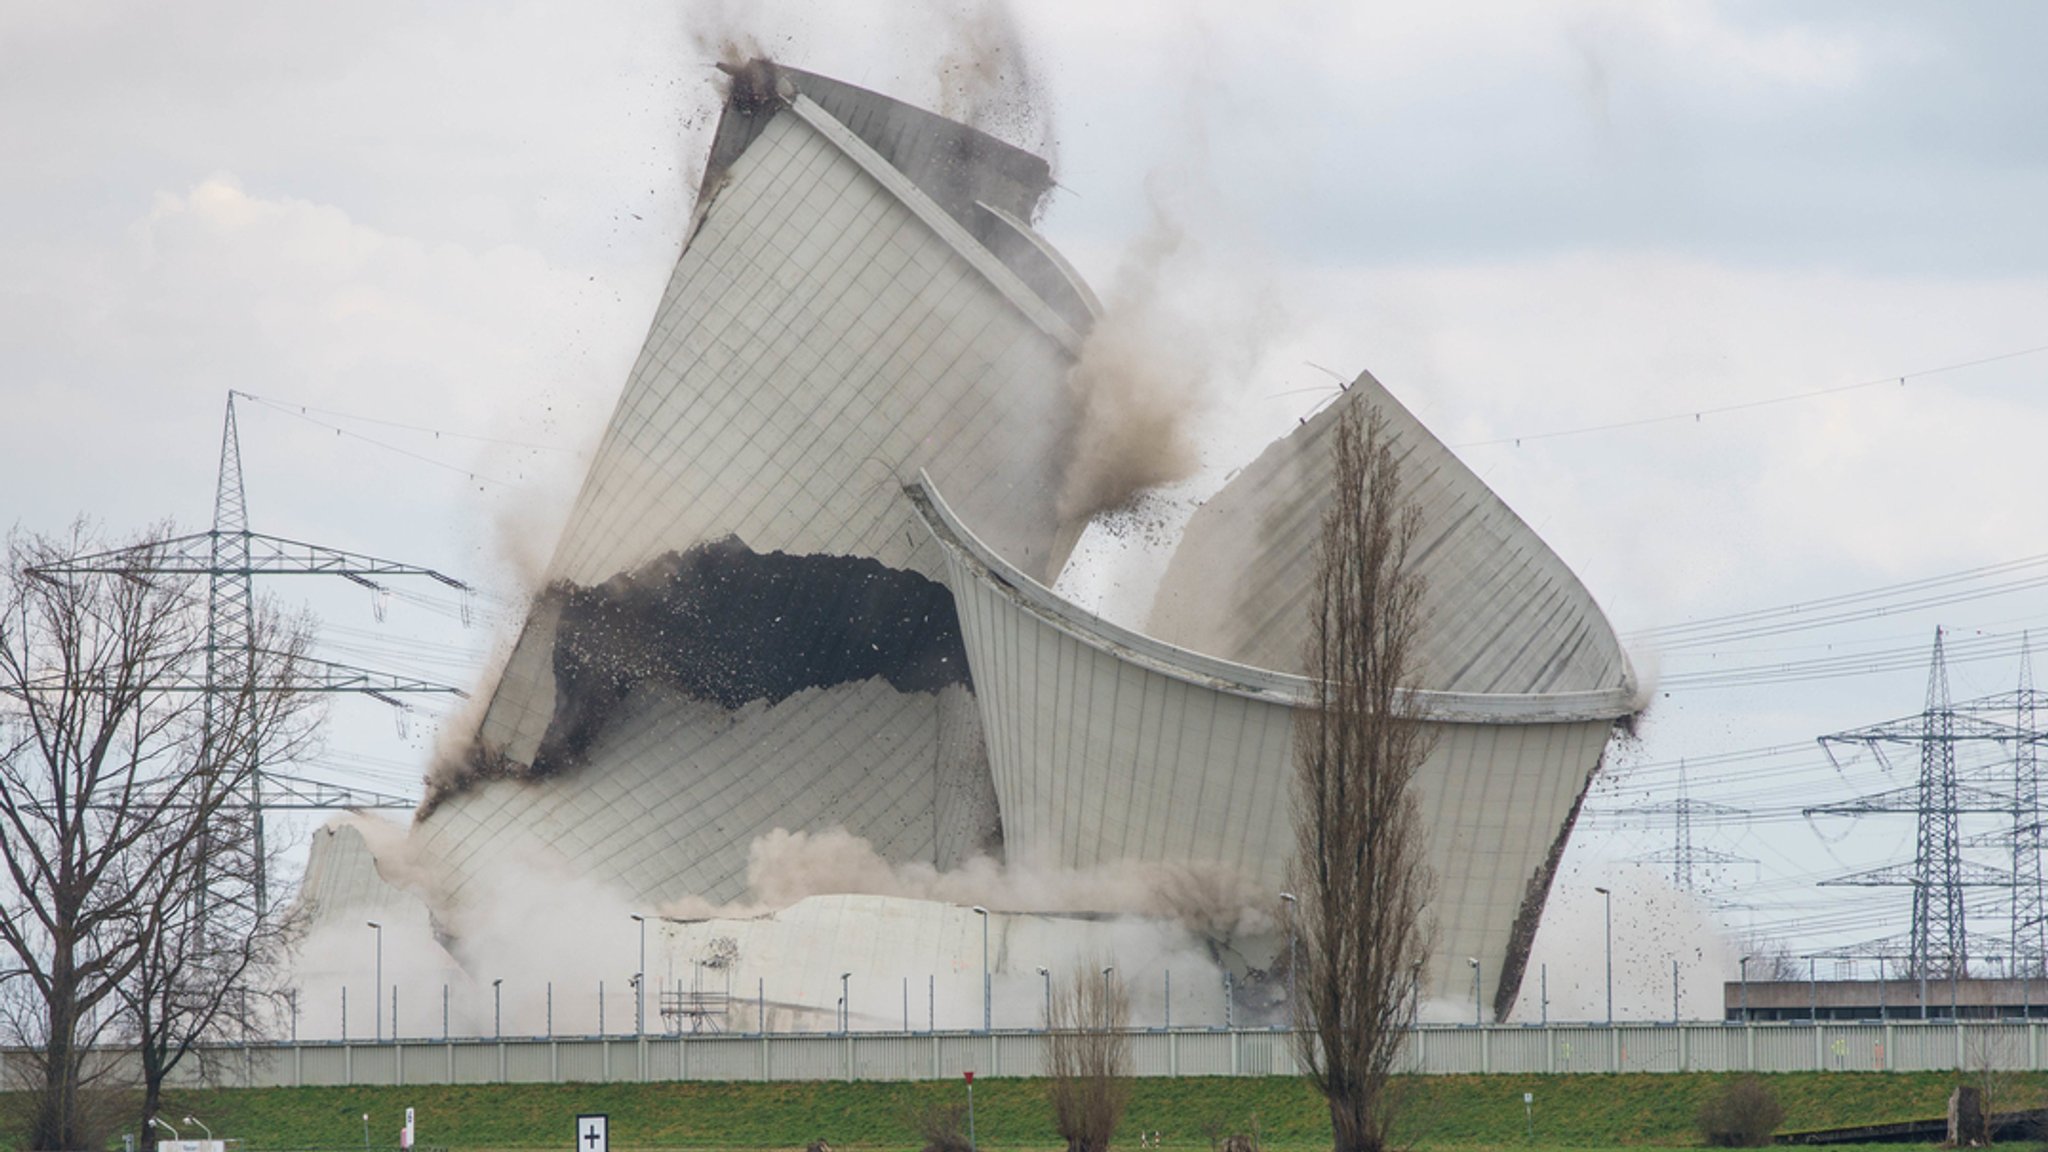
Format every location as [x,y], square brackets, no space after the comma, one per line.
[1088,1056]
[126,832]
[1359,873]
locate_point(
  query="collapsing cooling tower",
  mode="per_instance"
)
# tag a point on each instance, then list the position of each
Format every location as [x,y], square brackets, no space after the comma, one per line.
[805,582]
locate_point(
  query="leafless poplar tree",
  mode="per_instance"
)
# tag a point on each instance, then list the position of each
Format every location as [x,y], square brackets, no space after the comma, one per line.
[1359,872]
[1089,1056]
[126,912]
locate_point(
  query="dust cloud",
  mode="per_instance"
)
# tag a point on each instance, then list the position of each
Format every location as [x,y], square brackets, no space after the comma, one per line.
[719,31]
[1654,925]
[986,79]
[1137,387]
[784,867]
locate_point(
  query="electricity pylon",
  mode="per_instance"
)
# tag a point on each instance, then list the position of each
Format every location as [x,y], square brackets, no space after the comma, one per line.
[1686,859]
[1938,873]
[230,556]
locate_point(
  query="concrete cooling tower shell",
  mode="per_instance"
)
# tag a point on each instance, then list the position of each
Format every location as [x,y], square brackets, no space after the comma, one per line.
[1106,745]
[834,324]
[1504,614]
[804,583]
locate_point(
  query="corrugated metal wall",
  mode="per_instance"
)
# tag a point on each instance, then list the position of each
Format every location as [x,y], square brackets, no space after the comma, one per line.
[1906,1046]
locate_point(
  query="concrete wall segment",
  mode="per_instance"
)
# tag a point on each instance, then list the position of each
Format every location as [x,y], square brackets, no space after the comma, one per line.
[1505,613]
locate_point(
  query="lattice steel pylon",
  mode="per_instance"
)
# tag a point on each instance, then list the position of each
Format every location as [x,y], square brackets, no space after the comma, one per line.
[1939,936]
[1685,858]
[229,557]
[2029,908]
[2028,924]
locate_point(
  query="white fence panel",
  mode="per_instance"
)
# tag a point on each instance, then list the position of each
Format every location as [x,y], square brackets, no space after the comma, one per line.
[1797,1046]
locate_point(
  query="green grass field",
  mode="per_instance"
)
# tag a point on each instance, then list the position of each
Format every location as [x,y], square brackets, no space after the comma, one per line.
[1462,1112]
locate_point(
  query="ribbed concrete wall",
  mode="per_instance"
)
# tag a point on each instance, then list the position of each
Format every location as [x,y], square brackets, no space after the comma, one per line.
[677,789]
[827,332]
[1504,613]
[1107,745]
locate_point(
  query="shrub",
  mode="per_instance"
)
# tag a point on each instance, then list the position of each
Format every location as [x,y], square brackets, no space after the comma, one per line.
[942,1127]
[1742,1113]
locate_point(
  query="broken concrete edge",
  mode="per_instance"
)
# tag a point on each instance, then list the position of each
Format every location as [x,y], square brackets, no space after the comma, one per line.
[1221,675]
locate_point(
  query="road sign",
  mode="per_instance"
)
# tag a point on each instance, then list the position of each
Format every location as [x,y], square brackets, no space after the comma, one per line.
[593,1132]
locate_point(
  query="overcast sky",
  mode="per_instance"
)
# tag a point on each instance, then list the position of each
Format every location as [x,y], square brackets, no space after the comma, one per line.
[1523,218]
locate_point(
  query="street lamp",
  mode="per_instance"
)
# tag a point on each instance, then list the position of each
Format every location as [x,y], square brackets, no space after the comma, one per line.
[640,983]
[845,1006]
[1047,973]
[1742,966]
[1106,1015]
[1477,1017]
[202,1126]
[988,1009]
[498,1008]
[1608,897]
[377,1015]
[1287,898]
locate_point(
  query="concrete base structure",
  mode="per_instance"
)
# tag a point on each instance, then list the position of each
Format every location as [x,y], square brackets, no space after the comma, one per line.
[1933,999]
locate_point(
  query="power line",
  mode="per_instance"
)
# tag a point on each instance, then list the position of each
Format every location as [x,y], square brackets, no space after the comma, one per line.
[1698,414]
[294,408]
[470,473]
[1848,607]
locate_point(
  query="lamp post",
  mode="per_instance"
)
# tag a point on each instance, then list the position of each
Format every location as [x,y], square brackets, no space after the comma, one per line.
[1608,897]
[202,1126]
[165,1125]
[1106,973]
[987,991]
[640,983]
[1293,1023]
[1047,973]
[845,1006]
[377,1012]
[1478,1016]
[1742,966]
[498,1008]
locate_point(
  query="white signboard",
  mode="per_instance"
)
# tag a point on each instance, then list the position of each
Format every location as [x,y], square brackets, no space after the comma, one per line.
[593,1132]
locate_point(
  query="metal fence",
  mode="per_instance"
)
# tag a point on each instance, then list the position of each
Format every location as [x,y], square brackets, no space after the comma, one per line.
[1900,1046]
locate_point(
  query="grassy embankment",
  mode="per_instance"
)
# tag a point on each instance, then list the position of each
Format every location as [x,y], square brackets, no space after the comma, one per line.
[1466,1112]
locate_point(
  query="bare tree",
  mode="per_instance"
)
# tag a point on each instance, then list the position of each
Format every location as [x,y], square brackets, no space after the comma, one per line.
[1359,871]
[1089,1056]
[208,939]
[119,793]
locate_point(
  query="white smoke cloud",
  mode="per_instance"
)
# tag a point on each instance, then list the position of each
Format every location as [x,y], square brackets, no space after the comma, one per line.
[784,867]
